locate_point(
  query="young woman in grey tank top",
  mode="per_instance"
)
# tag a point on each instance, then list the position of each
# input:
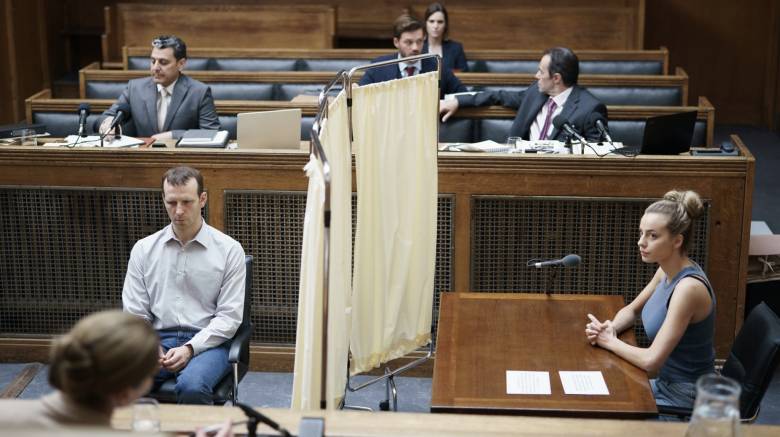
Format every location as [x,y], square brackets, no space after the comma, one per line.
[677,306]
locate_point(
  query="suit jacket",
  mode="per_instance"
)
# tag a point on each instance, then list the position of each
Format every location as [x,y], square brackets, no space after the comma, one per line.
[581,109]
[452,55]
[191,107]
[449,83]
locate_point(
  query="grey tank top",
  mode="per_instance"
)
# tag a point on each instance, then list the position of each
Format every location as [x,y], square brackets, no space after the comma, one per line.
[694,355]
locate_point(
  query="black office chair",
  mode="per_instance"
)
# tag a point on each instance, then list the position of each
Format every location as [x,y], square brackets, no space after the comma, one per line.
[227,389]
[752,362]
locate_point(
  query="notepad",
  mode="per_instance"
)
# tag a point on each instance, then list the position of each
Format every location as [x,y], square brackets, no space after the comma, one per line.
[527,383]
[583,383]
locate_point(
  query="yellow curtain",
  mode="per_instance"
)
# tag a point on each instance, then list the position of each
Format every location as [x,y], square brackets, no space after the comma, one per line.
[395,137]
[308,358]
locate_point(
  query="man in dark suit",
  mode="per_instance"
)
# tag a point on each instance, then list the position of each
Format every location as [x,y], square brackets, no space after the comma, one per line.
[555,94]
[408,38]
[167,103]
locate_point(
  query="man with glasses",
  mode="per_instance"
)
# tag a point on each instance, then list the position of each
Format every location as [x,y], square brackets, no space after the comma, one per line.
[168,102]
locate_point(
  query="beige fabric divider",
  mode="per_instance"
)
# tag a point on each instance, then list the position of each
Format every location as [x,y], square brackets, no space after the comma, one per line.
[395,136]
[308,357]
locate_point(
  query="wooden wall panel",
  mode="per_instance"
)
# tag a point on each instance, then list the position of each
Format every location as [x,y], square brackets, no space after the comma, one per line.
[7,69]
[726,47]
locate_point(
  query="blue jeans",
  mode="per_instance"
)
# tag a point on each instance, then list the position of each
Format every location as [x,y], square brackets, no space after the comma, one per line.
[196,381]
[676,394]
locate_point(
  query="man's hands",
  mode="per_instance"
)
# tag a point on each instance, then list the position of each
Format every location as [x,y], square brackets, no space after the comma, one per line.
[104,128]
[176,358]
[163,136]
[600,333]
[447,107]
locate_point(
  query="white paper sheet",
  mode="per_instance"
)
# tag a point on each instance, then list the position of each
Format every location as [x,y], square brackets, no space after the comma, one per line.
[527,383]
[583,383]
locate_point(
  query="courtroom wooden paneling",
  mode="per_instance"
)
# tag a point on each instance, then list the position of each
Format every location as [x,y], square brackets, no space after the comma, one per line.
[660,55]
[25,59]
[726,183]
[218,25]
[727,46]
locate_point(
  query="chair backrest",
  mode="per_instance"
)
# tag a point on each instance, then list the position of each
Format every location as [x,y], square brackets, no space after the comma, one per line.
[754,357]
[248,262]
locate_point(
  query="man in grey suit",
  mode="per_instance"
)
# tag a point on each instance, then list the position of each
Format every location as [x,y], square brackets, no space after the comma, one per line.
[555,94]
[168,102]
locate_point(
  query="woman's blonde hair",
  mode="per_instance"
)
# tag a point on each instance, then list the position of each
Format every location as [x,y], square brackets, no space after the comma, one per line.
[681,208]
[102,354]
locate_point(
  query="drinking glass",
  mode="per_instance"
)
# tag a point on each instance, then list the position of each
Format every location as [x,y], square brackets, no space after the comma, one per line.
[716,410]
[512,143]
[146,415]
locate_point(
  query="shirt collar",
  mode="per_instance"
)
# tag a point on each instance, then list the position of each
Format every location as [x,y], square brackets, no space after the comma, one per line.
[561,98]
[203,237]
[402,65]
[168,88]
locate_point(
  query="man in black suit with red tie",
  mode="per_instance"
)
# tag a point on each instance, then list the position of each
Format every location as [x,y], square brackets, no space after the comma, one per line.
[408,38]
[555,94]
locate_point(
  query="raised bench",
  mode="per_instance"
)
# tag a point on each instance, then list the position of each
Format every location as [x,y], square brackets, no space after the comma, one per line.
[644,62]
[468,125]
[670,90]
[216,25]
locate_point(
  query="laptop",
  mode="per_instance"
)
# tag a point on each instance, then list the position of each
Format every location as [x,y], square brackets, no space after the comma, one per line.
[668,134]
[269,129]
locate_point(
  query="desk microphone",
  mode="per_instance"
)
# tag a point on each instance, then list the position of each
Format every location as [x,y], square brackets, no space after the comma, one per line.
[561,123]
[256,417]
[567,261]
[122,112]
[604,131]
[83,114]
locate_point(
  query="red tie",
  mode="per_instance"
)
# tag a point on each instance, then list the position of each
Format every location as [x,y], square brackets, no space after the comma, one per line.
[410,70]
[550,109]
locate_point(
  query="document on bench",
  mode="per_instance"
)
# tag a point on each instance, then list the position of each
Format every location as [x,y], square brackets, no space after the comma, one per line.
[583,383]
[94,141]
[527,383]
[488,146]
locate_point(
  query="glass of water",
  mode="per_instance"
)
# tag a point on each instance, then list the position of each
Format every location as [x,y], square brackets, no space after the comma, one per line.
[716,410]
[512,143]
[146,415]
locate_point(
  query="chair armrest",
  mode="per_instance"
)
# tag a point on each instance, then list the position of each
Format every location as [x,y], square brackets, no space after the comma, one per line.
[240,341]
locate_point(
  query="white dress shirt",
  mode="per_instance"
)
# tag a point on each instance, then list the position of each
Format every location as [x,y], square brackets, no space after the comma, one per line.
[402,66]
[197,286]
[536,126]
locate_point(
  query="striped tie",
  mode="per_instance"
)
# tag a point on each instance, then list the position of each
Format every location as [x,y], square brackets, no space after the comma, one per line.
[550,109]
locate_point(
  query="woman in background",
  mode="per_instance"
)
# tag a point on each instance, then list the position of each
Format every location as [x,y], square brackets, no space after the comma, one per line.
[437,25]
[677,306]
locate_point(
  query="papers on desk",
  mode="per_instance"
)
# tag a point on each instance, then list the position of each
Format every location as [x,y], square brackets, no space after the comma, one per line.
[583,383]
[527,383]
[488,146]
[538,383]
[94,141]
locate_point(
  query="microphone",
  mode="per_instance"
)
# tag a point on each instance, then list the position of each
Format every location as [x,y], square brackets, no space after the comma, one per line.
[83,114]
[122,112]
[561,123]
[567,261]
[603,130]
[256,417]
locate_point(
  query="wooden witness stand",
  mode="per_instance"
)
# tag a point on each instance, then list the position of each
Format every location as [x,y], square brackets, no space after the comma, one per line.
[482,335]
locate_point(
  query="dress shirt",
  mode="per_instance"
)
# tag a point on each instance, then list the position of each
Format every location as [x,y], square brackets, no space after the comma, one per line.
[163,102]
[402,65]
[198,285]
[536,126]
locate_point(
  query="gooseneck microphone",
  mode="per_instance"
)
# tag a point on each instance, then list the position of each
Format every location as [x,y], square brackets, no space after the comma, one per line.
[563,124]
[122,113]
[604,132]
[570,260]
[84,110]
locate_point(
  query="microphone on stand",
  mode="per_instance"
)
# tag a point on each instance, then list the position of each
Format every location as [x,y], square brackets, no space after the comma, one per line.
[561,123]
[256,417]
[83,114]
[604,132]
[122,112]
[567,261]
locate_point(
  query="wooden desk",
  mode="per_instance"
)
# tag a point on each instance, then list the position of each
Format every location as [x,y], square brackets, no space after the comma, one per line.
[184,418]
[482,335]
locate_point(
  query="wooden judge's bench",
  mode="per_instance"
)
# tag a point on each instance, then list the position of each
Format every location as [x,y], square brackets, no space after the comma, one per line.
[69,217]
